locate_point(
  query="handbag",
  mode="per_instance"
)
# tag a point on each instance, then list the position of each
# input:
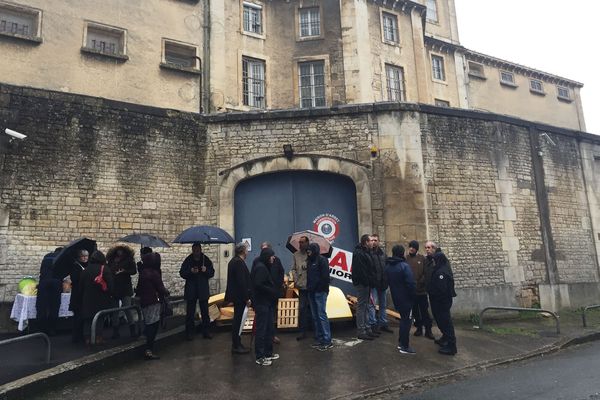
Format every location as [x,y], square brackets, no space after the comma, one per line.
[99,280]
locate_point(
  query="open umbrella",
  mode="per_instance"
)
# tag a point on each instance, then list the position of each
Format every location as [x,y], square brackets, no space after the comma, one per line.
[204,234]
[63,260]
[313,237]
[144,240]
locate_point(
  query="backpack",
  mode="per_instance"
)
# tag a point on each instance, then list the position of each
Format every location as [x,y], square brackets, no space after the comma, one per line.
[99,280]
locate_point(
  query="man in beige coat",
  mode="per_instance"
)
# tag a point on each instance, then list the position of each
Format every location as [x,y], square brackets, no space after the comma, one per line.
[299,275]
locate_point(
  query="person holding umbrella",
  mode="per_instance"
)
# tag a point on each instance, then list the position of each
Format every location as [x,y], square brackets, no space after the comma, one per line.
[196,269]
[79,265]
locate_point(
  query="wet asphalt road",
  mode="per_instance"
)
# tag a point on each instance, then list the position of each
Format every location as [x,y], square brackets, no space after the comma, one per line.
[572,374]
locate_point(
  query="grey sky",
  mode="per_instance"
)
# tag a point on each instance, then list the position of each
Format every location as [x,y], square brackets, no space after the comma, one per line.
[558,37]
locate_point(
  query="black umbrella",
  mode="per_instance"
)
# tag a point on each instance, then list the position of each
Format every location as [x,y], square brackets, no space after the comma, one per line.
[144,240]
[63,261]
[204,234]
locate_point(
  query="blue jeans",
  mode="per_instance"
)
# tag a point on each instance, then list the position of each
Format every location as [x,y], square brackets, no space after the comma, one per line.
[318,302]
[379,297]
[265,330]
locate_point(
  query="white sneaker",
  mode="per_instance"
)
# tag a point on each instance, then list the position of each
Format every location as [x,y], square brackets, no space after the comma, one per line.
[263,361]
[272,357]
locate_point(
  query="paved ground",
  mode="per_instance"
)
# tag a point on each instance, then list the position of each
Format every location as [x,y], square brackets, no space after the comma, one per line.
[569,375]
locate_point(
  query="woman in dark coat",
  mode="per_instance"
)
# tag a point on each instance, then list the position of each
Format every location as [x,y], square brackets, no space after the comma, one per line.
[94,297]
[121,263]
[151,292]
[78,266]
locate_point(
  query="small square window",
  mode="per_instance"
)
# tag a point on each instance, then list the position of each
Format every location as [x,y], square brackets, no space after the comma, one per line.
[310,22]
[442,103]
[105,40]
[432,14]
[563,93]
[437,67]
[536,86]
[395,82]
[253,20]
[20,22]
[180,56]
[507,78]
[390,27]
[476,70]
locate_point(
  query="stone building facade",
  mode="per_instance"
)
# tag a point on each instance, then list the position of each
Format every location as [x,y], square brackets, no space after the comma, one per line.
[513,203]
[243,55]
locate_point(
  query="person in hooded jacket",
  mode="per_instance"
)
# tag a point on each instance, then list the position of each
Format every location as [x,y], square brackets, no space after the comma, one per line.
[93,297]
[441,291]
[238,292]
[196,269]
[317,284]
[402,287]
[363,278]
[48,296]
[121,263]
[79,265]
[151,291]
[264,294]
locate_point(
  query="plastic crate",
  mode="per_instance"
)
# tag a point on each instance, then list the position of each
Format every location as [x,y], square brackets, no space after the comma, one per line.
[287,313]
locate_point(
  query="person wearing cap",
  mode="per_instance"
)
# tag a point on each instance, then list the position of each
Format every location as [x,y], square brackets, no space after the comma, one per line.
[421,305]
[278,274]
[196,269]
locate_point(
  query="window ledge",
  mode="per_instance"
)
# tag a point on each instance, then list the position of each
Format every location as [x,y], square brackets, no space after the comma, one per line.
[441,82]
[31,39]
[509,84]
[390,43]
[537,92]
[194,71]
[478,76]
[308,38]
[119,57]
[260,36]
[565,99]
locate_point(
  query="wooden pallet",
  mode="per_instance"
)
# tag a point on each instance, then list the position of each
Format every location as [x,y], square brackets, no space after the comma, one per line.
[287,313]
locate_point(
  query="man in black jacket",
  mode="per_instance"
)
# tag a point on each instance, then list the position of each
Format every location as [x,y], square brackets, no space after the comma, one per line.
[363,278]
[317,285]
[238,293]
[378,321]
[441,291]
[48,297]
[278,275]
[196,269]
[264,293]
[402,287]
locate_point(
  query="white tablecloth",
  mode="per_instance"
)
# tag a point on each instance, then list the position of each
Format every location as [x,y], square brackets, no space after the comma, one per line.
[24,309]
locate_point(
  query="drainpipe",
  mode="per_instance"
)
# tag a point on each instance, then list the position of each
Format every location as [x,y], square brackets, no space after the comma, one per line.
[206,106]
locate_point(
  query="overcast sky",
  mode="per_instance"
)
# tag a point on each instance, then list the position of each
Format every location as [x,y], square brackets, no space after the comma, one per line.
[558,37]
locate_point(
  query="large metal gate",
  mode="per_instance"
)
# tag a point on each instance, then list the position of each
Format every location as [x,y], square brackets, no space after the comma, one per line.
[272,206]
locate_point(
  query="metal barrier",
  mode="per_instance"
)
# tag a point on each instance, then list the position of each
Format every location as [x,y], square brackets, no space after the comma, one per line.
[32,336]
[537,310]
[110,311]
[585,310]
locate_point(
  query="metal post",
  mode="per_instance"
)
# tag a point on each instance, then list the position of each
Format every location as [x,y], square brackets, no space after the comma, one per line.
[538,310]
[32,336]
[109,311]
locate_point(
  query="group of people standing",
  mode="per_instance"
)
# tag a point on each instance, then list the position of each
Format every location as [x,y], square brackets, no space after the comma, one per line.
[415,282]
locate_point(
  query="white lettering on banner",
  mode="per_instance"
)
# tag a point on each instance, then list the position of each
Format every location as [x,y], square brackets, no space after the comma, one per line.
[340,264]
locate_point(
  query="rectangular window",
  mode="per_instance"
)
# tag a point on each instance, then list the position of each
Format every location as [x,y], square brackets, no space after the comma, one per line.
[310,22]
[476,69]
[105,40]
[432,14]
[180,55]
[437,65]
[395,82]
[312,84]
[253,18]
[563,93]
[442,103]
[507,78]
[536,86]
[19,21]
[253,82]
[390,27]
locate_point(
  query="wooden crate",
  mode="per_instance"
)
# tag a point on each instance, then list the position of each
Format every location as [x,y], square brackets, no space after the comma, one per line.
[287,313]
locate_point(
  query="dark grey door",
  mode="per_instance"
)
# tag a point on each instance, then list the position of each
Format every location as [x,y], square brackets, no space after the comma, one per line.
[270,207]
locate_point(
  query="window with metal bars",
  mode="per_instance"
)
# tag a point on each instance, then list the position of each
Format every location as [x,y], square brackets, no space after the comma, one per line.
[437,65]
[390,27]
[310,22]
[563,92]
[17,22]
[253,18]
[395,82]
[105,40]
[180,55]
[536,86]
[312,84]
[253,82]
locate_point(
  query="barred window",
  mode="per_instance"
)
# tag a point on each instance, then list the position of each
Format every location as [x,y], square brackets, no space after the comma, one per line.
[312,83]
[390,27]
[563,92]
[536,86]
[437,65]
[106,40]
[507,77]
[253,82]
[253,18]
[395,82]
[180,55]
[20,21]
[432,14]
[310,22]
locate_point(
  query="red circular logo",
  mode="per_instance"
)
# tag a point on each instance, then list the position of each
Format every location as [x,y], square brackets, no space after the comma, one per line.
[327,225]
